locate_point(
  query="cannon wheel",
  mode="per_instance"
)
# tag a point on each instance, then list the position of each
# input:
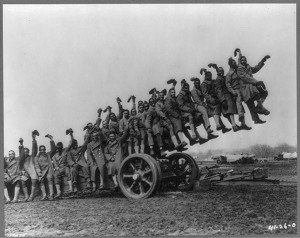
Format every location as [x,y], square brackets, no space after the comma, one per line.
[186,170]
[139,176]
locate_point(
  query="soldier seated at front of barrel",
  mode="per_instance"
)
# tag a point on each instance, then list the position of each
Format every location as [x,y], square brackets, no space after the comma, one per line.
[77,162]
[11,176]
[44,168]
[249,87]
[114,154]
[233,86]
[27,168]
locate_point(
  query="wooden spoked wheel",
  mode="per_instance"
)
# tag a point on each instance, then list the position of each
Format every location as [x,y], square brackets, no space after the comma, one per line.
[186,170]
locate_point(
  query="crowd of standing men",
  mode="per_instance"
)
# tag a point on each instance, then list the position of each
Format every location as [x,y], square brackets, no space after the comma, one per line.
[153,127]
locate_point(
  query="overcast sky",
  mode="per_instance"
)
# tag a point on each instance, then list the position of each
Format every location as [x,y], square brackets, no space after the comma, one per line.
[63,62]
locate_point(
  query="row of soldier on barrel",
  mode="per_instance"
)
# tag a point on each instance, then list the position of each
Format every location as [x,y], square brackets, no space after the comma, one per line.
[141,129]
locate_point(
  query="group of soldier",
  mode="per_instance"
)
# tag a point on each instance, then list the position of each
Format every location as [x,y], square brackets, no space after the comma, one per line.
[153,127]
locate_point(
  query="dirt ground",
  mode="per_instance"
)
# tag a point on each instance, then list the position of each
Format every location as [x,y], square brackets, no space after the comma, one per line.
[234,210]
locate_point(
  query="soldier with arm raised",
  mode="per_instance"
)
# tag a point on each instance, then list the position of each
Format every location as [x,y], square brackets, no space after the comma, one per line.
[27,167]
[60,166]
[77,161]
[44,169]
[233,86]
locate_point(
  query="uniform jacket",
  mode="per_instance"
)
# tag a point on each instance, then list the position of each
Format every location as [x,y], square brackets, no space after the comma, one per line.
[43,164]
[198,96]
[232,81]
[172,107]
[153,121]
[11,168]
[209,92]
[27,163]
[247,82]
[141,119]
[161,110]
[95,151]
[61,160]
[113,151]
[185,101]
[76,156]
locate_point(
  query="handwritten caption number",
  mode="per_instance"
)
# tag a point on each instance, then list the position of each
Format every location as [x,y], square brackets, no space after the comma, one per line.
[284,226]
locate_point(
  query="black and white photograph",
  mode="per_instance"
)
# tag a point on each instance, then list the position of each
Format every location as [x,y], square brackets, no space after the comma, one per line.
[150,119]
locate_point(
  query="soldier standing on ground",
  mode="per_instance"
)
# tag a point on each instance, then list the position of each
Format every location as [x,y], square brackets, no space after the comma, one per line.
[27,167]
[44,168]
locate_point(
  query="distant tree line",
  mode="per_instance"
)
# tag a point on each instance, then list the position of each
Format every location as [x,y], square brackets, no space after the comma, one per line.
[260,150]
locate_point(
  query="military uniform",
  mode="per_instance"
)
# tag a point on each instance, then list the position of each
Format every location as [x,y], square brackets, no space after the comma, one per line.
[213,104]
[77,162]
[224,96]
[60,164]
[153,122]
[27,164]
[233,86]
[114,154]
[95,156]
[173,110]
[248,89]
[201,107]
[12,174]
[43,165]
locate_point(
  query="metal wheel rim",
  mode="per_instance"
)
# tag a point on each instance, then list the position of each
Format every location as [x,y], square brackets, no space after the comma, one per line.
[138,176]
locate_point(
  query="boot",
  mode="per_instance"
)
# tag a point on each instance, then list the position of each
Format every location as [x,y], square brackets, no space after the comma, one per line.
[33,189]
[136,149]
[174,140]
[70,187]
[211,136]
[151,151]
[51,191]
[88,184]
[17,193]
[25,191]
[43,189]
[57,186]
[6,196]
[142,149]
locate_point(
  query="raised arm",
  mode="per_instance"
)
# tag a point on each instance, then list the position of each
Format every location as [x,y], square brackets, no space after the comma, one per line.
[257,67]
[21,154]
[98,121]
[133,102]
[52,146]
